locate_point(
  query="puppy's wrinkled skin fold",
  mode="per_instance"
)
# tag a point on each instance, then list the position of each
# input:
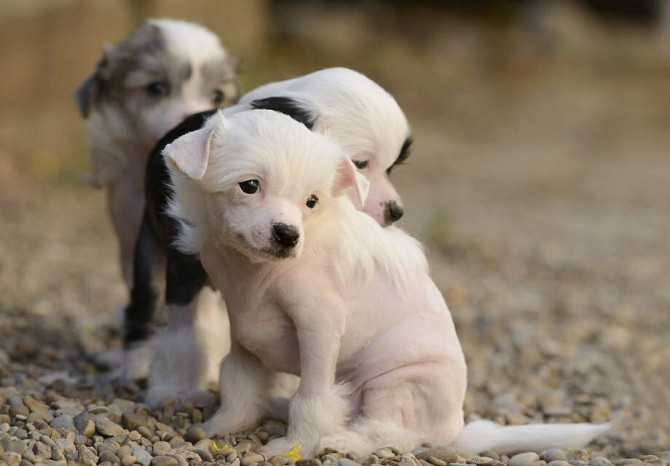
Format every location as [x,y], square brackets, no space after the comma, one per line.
[143,86]
[346,304]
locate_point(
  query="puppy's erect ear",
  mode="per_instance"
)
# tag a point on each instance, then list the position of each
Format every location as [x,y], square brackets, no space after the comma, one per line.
[347,177]
[189,154]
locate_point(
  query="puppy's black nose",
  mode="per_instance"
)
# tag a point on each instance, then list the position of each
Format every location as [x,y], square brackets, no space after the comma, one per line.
[286,235]
[393,212]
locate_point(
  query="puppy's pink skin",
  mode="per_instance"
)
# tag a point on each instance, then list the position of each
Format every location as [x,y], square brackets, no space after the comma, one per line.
[353,310]
[362,324]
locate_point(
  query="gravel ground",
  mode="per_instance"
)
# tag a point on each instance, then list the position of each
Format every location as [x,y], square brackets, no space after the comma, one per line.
[544,210]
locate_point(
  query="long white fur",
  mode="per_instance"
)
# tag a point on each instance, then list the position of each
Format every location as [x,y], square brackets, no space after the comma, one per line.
[379,364]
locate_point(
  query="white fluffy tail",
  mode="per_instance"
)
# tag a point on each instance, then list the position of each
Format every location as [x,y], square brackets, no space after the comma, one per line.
[480,436]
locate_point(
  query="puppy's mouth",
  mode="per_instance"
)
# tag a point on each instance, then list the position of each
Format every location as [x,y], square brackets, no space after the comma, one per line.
[278,253]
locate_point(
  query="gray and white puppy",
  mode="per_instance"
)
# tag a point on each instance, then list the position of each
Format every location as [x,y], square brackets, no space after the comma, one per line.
[164,71]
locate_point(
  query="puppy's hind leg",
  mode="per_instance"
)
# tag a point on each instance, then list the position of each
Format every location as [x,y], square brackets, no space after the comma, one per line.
[139,312]
[403,408]
[245,383]
[179,369]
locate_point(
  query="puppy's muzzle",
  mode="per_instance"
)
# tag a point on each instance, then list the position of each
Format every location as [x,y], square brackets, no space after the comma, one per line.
[393,212]
[285,235]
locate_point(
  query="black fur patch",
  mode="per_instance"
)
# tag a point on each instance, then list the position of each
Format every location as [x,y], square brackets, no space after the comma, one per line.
[287,106]
[402,156]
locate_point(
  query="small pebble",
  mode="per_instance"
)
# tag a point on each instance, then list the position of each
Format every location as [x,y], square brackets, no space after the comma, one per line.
[523,459]
[436,461]
[205,455]
[553,454]
[164,461]
[63,421]
[194,435]
[446,454]
[558,463]
[251,458]
[599,461]
[480,460]
[343,462]
[161,448]
[18,410]
[108,455]
[142,456]
[107,428]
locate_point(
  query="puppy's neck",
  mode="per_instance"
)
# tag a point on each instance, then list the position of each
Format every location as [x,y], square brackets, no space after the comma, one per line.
[234,270]
[117,150]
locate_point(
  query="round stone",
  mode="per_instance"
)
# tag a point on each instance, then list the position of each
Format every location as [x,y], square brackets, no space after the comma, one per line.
[107,428]
[384,453]
[558,463]
[194,435]
[308,462]
[347,462]
[523,459]
[164,461]
[132,421]
[63,421]
[107,455]
[436,461]
[480,460]
[555,454]
[446,454]
[577,454]
[161,448]
[142,456]
[251,458]
[18,410]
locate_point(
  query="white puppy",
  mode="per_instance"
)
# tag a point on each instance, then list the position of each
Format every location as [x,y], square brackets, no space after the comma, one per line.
[317,288]
[162,72]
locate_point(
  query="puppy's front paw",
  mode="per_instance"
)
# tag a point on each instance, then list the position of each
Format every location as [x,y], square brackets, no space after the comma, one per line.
[226,422]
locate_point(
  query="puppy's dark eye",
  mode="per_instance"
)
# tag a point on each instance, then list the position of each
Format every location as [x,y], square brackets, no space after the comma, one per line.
[311,201]
[158,89]
[249,186]
[217,97]
[361,164]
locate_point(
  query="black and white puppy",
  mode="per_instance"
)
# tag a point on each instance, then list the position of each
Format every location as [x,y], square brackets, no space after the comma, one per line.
[164,71]
[361,116]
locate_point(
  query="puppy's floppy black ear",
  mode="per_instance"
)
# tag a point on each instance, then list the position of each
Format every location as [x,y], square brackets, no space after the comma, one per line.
[189,154]
[83,94]
[287,106]
[88,90]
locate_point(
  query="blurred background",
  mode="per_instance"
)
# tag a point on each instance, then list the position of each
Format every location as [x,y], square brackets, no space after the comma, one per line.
[539,182]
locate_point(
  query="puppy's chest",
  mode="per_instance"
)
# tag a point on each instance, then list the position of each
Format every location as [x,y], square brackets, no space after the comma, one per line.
[267,332]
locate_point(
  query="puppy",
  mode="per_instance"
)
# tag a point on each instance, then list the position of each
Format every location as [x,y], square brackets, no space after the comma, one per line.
[357,112]
[162,72]
[316,288]
[365,119]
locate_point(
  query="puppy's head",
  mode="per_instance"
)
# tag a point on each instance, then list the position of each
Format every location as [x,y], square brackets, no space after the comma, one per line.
[162,72]
[361,116]
[262,178]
